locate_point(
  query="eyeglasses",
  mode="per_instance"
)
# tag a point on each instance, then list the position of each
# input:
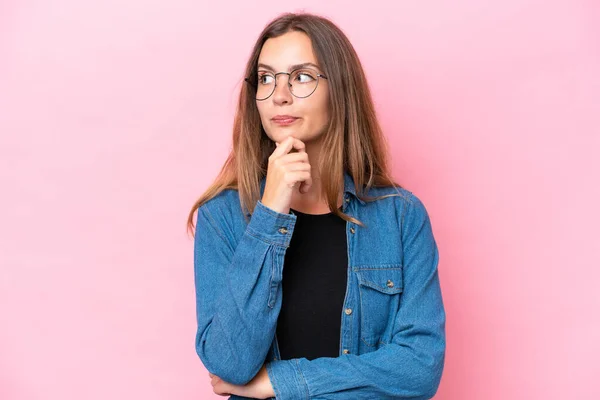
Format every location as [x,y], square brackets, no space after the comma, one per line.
[302,82]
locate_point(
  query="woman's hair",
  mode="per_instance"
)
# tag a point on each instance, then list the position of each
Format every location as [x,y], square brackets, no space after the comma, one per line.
[352,142]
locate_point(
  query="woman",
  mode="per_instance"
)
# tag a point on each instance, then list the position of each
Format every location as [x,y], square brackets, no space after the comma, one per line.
[357,312]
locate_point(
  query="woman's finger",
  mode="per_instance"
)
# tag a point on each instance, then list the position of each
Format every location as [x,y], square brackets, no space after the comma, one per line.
[287,145]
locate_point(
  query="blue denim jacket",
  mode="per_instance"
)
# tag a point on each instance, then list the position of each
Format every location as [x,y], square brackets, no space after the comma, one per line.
[392,338]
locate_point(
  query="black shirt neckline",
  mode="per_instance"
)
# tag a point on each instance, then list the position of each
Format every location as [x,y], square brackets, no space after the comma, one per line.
[314,215]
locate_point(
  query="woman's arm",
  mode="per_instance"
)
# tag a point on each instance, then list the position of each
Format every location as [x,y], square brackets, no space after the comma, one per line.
[410,366]
[238,289]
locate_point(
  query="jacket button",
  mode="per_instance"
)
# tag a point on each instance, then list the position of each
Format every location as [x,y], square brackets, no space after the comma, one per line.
[283,230]
[348,311]
[390,284]
[352,230]
[347,199]
[346,351]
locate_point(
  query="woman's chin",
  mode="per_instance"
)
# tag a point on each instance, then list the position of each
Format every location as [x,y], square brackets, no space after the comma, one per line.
[283,134]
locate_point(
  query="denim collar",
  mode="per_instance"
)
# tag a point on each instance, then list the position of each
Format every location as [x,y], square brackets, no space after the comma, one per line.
[349,186]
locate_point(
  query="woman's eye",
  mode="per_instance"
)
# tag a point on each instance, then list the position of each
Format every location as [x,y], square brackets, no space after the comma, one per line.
[264,79]
[304,77]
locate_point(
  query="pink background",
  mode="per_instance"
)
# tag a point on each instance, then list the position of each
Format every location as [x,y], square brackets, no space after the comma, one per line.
[115,115]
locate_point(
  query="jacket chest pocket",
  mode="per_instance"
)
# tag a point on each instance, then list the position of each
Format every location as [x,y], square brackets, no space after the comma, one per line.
[379,290]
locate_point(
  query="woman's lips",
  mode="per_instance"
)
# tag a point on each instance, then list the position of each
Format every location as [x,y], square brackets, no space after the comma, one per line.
[284,121]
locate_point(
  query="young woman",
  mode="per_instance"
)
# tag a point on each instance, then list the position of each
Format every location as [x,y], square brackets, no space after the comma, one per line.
[316,274]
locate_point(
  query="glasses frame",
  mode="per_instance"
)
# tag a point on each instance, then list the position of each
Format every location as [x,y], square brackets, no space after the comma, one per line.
[254,82]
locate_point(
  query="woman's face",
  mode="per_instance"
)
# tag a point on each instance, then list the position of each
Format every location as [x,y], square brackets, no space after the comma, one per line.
[279,55]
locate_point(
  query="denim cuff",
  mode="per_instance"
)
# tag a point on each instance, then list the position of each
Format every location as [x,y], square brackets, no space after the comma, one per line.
[287,380]
[271,226]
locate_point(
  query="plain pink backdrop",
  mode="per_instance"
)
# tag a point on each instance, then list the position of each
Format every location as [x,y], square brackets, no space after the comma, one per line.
[116,115]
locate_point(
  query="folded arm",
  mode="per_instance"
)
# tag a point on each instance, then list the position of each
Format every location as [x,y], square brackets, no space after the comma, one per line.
[238,290]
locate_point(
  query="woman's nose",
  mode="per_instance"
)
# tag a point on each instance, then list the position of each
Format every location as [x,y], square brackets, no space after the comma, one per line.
[282,90]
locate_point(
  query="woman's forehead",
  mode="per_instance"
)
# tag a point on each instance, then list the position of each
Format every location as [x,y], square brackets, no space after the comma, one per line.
[287,50]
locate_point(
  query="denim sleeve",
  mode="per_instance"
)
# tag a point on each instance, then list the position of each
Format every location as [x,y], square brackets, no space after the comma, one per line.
[410,366]
[238,290]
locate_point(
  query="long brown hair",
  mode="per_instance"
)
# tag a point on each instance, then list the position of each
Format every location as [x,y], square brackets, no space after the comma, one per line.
[352,142]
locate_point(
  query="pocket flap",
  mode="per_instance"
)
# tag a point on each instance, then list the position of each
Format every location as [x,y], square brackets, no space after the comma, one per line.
[384,280]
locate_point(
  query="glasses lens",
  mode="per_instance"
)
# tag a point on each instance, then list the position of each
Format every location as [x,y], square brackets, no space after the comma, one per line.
[304,82]
[265,85]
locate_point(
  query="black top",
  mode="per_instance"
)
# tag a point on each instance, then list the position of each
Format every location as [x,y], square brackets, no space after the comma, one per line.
[314,287]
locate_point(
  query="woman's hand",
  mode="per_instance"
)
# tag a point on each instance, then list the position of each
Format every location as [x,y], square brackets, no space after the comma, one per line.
[259,387]
[286,171]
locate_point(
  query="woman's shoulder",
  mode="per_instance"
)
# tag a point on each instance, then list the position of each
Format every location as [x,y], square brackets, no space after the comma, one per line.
[225,204]
[402,194]
[403,199]
[224,198]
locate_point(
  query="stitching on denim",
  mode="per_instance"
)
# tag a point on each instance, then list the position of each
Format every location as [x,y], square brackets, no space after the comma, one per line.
[273,382]
[402,223]
[272,291]
[401,192]
[379,267]
[381,289]
[363,281]
[349,283]
[278,215]
[362,319]
[374,286]
[260,237]
[363,340]
[351,323]
[285,217]
[303,378]
[348,286]
[211,221]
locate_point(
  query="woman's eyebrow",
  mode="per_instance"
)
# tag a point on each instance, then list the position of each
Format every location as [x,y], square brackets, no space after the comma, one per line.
[291,68]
